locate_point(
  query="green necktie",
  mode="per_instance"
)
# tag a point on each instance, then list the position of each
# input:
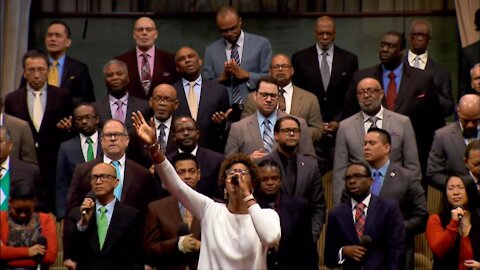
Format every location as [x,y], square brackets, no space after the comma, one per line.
[90,149]
[102,226]
[4,190]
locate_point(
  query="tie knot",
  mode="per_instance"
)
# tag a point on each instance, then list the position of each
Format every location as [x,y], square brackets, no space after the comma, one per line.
[192,84]
[360,206]
[103,210]
[162,126]
[115,163]
[145,56]
[391,75]
[376,173]
[282,91]
[89,140]
[55,63]
[266,122]
[324,53]
[37,93]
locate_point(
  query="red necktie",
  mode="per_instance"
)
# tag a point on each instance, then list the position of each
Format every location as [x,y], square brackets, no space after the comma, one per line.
[391,91]
[359,219]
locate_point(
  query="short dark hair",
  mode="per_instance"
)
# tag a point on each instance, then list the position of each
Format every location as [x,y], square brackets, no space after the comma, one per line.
[267,79]
[67,29]
[362,164]
[238,158]
[35,54]
[280,120]
[184,156]
[400,36]
[473,145]
[384,135]
[22,190]
[87,104]
[177,118]
[268,163]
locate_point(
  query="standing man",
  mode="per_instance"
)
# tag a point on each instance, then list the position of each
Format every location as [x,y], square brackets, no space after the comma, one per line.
[376,237]
[472,161]
[470,57]
[474,80]
[42,106]
[172,233]
[351,134]
[202,100]
[418,57]
[147,65]
[78,150]
[392,181]
[238,59]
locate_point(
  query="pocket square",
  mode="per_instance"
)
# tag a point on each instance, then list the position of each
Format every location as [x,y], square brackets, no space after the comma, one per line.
[421,95]
[166,74]
[344,73]
[72,78]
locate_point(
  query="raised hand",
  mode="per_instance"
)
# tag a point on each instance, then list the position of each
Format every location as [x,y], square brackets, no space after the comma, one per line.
[144,130]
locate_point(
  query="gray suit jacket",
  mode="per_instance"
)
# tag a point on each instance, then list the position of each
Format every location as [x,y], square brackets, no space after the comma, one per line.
[22,138]
[245,137]
[256,55]
[446,155]
[304,105]
[349,146]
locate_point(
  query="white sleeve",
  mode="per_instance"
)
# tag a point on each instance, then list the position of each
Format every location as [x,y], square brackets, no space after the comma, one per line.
[267,225]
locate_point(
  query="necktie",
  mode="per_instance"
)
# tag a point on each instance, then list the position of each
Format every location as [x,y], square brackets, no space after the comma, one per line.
[161,137]
[37,110]
[267,136]
[416,64]
[187,217]
[291,176]
[118,190]
[53,74]
[360,219]
[192,101]
[90,149]
[119,115]
[236,96]
[4,189]
[325,70]
[391,91]
[102,226]
[281,100]
[373,120]
[145,74]
[377,182]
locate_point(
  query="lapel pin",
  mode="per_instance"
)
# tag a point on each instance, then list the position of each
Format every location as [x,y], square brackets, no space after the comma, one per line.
[392,174]
[302,163]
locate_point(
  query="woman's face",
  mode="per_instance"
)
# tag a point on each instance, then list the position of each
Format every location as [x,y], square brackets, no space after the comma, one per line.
[21,210]
[240,171]
[456,193]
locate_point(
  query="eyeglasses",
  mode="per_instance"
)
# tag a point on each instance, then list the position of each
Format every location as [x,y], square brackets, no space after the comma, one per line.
[147,29]
[264,95]
[84,117]
[102,177]
[288,131]
[356,176]
[227,30]
[116,135]
[231,172]
[160,99]
[283,66]
[419,35]
[369,91]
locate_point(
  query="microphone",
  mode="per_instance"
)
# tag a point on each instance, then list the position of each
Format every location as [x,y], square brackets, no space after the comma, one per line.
[235,180]
[365,241]
[92,196]
[38,258]
[460,216]
[183,230]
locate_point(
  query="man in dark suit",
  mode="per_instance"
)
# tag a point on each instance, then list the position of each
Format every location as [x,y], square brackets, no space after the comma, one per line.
[238,59]
[172,234]
[295,101]
[392,181]
[105,233]
[413,93]
[147,65]
[376,237]
[78,150]
[418,57]
[448,149]
[253,135]
[475,80]
[23,145]
[13,170]
[42,106]
[296,249]
[472,161]
[186,135]
[302,178]
[207,100]
[351,134]
[470,57]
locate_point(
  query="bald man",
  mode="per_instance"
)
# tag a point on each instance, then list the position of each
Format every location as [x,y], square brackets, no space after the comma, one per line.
[147,65]
[351,133]
[446,155]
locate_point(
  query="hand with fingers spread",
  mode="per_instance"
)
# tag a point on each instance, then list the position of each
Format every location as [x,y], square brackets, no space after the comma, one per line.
[65,123]
[221,117]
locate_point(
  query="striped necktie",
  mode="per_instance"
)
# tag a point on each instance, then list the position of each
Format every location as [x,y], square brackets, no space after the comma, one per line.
[267,136]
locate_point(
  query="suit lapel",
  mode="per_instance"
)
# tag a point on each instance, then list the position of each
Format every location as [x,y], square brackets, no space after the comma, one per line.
[246,50]
[386,120]
[359,126]
[388,179]
[128,178]
[285,186]
[371,216]
[254,130]
[47,113]
[104,110]
[131,105]
[301,174]
[297,103]
[315,67]
[66,71]
[114,221]
[404,91]
[457,139]
[346,215]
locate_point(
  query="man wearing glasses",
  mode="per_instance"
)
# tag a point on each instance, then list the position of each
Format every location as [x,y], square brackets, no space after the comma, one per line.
[253,135]
[147,65]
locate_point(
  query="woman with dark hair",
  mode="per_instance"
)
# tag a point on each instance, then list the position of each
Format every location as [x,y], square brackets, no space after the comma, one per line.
[454,234]
[27,238]
[235,235]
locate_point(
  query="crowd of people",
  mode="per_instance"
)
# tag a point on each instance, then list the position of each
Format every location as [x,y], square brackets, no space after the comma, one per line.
[218,163]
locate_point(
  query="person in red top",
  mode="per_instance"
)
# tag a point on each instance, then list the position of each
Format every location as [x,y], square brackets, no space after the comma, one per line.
[20,231]
[454,234]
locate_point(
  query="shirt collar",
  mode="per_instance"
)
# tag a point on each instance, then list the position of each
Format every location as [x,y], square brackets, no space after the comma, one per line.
[94,137]
[365,201]
[272,118]
[288,89]
[150,52]
[113,99]
[411,57]
[239,42]
[109,205]
[198,81]
[167,123]
[60,60]
[320,50]
[194,151]
[397,71]
[6,164]
[109,160]
[383,169]
[42,90]
[379,115]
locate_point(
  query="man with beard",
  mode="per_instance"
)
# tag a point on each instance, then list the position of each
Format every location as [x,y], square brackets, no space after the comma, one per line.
[349,143]
[375,239]
[446,155]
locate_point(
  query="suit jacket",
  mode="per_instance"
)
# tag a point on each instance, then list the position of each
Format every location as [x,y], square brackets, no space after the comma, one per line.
[470,57]
[69,156]
[23,145]
[307,76]
[213,98]
[122,246]
[304,105]
[162,232]
[308,186]
[383,224]
[209,164]
[446,155]
[256,56]
[164,71]
[245,137]
[349,146]
[22,170]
